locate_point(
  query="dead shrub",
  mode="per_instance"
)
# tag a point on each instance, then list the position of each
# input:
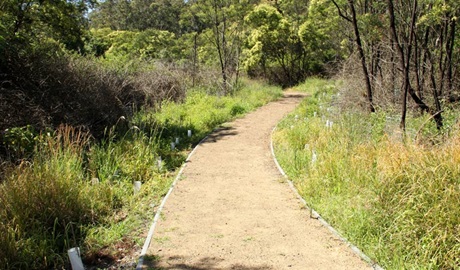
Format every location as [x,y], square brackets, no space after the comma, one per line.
[46,91]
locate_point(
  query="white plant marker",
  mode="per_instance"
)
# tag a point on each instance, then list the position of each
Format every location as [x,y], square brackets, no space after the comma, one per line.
[159,163]
[314,157]
[173,146]
[75,259]
[327,123]
[315,114]
[296,117]
[137,186]
[189,133]
[177,140]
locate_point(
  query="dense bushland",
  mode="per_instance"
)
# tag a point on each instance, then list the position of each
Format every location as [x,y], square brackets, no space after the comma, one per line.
[45,90]
[88,112]
[395,195]
[404,54]
[99,89]
[76,191]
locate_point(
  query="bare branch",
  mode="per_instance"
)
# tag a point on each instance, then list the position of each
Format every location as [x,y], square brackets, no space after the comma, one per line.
[340,12]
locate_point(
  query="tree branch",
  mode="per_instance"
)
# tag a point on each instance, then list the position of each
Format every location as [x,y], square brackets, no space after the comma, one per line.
[340,12]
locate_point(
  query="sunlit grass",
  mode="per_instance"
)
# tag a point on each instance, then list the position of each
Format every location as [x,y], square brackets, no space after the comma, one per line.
[76,191]
[396,197]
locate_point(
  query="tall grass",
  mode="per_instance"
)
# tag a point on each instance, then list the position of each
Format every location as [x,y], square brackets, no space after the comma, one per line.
[46,202]
[78,191]
[397,199]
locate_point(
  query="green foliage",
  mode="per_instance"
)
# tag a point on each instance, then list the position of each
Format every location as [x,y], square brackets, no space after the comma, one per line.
[268,43]
[45,205]
[284,42]
[19,141]
[138,15]
[202,112]
[294,10]
[320,34]
[284,50]
[29,22]
[124,46]
[266,17]
[397,201]
[75,191]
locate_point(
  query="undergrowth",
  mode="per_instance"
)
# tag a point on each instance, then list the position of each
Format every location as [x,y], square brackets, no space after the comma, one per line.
[395,196]
[73,190]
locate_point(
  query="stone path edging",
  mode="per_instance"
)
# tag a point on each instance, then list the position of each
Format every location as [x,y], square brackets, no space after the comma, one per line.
[316,215]
[160,208]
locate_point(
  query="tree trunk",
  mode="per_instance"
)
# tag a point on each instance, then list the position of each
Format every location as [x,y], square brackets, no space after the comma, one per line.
[405,66]
[362,56]
[195,53]
[220,44]
[449,55]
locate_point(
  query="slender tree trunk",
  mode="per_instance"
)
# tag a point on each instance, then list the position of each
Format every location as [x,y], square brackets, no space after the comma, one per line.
[405,66]
[393,74]
[195,48]
[376,57]
[424,63]
[220,43]
[362,56]
[449,55]
[437,118]
[237,60]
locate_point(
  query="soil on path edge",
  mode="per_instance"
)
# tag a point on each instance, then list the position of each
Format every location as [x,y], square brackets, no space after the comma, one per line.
[232,209]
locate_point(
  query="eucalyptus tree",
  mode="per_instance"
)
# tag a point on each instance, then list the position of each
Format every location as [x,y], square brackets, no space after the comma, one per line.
[286,53]
[267,46]
[222,21]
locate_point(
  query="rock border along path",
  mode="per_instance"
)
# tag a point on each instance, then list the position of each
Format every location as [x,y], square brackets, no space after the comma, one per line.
[232,209]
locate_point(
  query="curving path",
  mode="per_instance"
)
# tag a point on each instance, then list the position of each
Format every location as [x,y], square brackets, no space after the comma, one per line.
[233,210]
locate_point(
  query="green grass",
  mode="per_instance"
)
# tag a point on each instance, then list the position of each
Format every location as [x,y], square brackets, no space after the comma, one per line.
[399,201]
[52,202]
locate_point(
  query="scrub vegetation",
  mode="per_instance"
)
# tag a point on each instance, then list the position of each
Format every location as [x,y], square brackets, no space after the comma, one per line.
[92,93]
[76,190]
[395,196]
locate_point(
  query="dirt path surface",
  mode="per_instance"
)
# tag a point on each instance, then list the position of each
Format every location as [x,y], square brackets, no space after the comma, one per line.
[232,209]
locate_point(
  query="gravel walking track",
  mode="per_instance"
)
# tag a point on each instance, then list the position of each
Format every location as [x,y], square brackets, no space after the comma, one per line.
[232,209]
